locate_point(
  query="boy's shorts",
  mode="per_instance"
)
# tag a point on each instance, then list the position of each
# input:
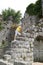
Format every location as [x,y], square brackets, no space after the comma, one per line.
[17,33]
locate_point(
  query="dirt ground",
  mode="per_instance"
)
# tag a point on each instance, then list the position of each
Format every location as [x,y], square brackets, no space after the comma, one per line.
[37,63]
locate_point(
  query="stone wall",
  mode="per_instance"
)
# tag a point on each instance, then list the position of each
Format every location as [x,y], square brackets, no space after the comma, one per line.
[38,50]
[28,21]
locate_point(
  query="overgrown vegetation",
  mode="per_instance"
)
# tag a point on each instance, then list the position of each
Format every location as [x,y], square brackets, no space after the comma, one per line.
[1,27]
[35,9]
[3,44]
[11,14]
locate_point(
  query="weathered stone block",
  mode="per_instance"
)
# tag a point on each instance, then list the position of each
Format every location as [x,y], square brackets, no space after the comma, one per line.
[1,63]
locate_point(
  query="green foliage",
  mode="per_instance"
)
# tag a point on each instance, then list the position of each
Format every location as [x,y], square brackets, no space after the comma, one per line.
[38,8]
[4,44]
[35,9]
[30,9]
[1,27]
[16,16]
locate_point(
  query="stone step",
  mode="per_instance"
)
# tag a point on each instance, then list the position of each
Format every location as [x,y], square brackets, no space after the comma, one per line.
[23,59]
[20,42]
[21,55]
[21,50]
[22,38]
[4,62]
[1,63]
[22,63]
[28,35]
[21,45]
[7,57]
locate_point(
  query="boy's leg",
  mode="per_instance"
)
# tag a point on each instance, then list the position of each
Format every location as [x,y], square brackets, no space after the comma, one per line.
[19,33]
[16,32]
[15,37]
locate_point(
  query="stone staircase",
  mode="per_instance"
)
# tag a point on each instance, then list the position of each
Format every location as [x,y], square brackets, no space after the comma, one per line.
[21,51]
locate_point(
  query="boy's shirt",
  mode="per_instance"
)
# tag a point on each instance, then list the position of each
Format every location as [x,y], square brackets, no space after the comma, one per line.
[19,29]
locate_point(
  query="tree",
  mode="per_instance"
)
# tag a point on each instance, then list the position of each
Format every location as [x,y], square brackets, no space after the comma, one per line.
[35,9]
[16,16]
[4,14]
[38,8]
[30,9]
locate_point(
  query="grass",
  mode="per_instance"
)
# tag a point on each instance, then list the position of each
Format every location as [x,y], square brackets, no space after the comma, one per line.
[1,27]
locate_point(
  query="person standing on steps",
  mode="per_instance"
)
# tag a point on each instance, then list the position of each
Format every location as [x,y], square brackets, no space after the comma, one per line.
[18,31]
